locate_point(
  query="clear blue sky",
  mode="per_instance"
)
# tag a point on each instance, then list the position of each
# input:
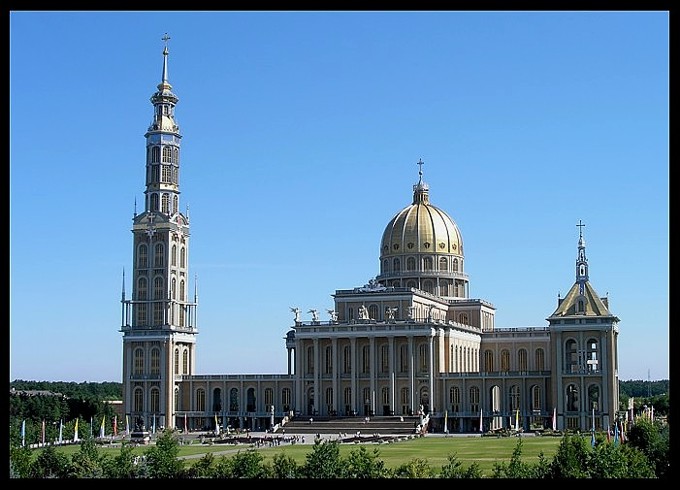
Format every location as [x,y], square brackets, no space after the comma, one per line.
[301,133]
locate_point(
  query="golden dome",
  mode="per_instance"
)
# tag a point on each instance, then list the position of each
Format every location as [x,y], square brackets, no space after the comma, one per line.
[421,228]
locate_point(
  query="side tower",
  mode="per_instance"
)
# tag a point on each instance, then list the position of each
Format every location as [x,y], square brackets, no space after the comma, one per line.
[158,321]
[583,338]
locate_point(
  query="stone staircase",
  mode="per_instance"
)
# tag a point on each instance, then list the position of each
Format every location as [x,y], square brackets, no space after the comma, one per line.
[383,425]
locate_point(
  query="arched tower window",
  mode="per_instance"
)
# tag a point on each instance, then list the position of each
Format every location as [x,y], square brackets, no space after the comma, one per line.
[182,292]
[443,264]
[173,256]
[138,400]
[454,398]
[455,265]
[328,367]
[592,362]
[427,263]
[155,399]
[373,312]
[165,203]
[346,360]
[571,356]
[396,265]
[365,359]
[268,398]
[154,202]
[175,204]
[536,398]
[182,258]
[138,357]
[167,154]
[159,252]
[572,399]
[594,397]
[158,290]
[174,288]
[176,370]
[142,289]
[185,361]
[142,257]
[251,401]
[217,400]
[155,154]
[155,361]
[385,266]
[514,397]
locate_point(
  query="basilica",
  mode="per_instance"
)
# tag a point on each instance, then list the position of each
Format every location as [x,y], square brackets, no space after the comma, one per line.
[411,341]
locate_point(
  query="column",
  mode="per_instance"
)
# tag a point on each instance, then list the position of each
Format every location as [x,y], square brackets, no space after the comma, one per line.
[392,370]
[353,367]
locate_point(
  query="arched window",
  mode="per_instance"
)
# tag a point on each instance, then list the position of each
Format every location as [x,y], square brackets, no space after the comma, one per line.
[427,263]
[175,204]
[176,370]
[594,397]
[474,399]
[174,288]
[165,203]
[158,290]
[173,256]
[142,289]
[154,202]
[233,400]
[268,398]
[454,398]
[217,400]
[346,360]
[428,286]
[155,399]
[505,360]
[514,398]
[488,361]
[167,154]
[540,359]
[455,265]
[185,361]
[142,257]
[536,398]
[155,361]
[592,361]
[410,264]
[200,400]
[463,318]
[329,400]
[373,312]
[159,251]
[141,314]
[571,356]
[385,396]
[572,399]
[443,264]
[138,397]
[182,257]
[166,174]
[285,399]
[182,292]
[397,265]
[138,368]
[251,402]
[347,399]
[385,266]
[522,360]
[403,358]
[155,154]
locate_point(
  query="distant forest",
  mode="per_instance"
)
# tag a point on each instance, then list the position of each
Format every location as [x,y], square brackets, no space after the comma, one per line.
[107,391]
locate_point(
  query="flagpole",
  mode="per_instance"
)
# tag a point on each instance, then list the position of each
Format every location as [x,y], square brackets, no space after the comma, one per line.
[23,433]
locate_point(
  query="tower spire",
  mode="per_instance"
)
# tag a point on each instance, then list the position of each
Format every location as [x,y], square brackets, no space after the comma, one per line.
[164,77]
[581,260]
[421,189]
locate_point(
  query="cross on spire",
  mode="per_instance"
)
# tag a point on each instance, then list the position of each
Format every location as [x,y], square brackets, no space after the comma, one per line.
[420,164]
[580,229]
[165,38]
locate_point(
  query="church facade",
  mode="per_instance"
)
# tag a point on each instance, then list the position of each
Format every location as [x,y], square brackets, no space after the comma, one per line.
[409,342]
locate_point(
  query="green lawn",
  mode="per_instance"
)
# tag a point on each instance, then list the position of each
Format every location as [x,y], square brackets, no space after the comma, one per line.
[485,451]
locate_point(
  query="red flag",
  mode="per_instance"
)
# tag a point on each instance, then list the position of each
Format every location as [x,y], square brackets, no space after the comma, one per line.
[609,433]
[115,425]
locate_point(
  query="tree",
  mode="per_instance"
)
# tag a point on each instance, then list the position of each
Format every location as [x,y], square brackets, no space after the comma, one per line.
[516,468]
[87,463]
[571,459]
[249,464]
[416,468]
[203,468]
[323,461]
[20,462]
[362,464]
[284,466]
[161,460]
[652,438]
[123,465]
[454,469]
[51,463]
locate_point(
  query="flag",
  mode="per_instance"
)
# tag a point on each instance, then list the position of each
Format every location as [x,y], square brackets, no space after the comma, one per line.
[115,425]
[43,432]
[127,425]
[609,433]
[517,420]
[61,430]
[481,421]
[101,428]
[23,433]
[592,439]
[623,433]
[446,421]
[217,425]
[153,428]
[652,414]
[185,423]
[554,420]
[75,432]
[91,425]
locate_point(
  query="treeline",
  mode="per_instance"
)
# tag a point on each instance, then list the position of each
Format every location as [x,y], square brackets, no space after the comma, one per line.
[84,391]
[645,454]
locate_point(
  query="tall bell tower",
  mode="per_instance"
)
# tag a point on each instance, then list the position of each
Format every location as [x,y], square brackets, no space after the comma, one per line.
[158,320]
